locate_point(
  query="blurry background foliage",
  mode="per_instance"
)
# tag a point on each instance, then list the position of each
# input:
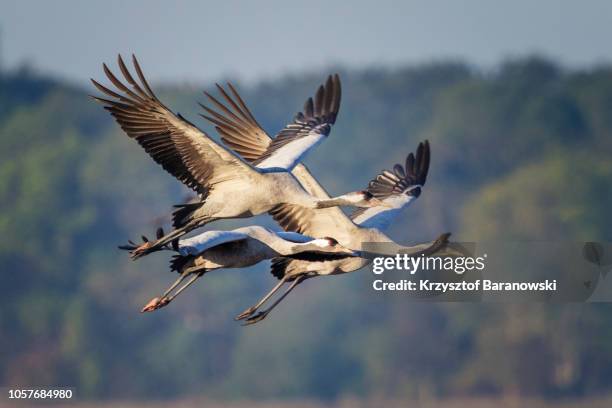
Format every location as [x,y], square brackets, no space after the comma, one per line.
[522,152]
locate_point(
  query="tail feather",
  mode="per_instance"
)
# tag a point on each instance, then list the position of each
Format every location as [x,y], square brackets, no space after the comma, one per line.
[175,245]
[178,262]
[278,267]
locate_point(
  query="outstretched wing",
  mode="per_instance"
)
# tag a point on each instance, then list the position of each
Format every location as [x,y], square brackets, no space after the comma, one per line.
[240,131]
[398,181]
[177,145]
[396,188]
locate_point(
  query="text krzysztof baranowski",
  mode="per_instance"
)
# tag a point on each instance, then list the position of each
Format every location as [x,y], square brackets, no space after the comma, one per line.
[457,265]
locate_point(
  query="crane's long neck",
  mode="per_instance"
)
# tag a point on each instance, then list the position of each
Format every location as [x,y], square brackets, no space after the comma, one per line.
[281,246]
[438,247]
[345,199]
[287,248]
[381,217]
[314,246]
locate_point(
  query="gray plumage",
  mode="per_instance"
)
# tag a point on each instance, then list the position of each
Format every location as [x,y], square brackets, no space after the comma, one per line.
[228,186]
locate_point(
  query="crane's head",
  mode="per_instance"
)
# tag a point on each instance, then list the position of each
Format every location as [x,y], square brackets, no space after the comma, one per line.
[331,245]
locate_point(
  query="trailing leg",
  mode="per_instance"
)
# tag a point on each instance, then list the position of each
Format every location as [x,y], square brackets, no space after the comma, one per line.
[262,315]
[163,300]
[254,308]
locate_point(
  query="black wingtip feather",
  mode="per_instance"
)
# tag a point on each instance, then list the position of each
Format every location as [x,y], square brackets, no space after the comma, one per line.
[278,267]
[400,178]
[178,262]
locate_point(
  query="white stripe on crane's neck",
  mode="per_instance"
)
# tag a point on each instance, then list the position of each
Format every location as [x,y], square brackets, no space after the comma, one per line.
[380,217]
[288,156]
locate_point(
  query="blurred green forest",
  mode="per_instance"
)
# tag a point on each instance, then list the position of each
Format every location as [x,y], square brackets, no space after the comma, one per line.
[521,152]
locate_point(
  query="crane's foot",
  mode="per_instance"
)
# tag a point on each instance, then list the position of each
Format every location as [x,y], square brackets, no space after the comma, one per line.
[141,250]
[246,313]
[155,303]
[254,319]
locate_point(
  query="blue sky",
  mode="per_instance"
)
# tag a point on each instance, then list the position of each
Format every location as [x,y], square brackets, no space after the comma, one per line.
[195,41]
